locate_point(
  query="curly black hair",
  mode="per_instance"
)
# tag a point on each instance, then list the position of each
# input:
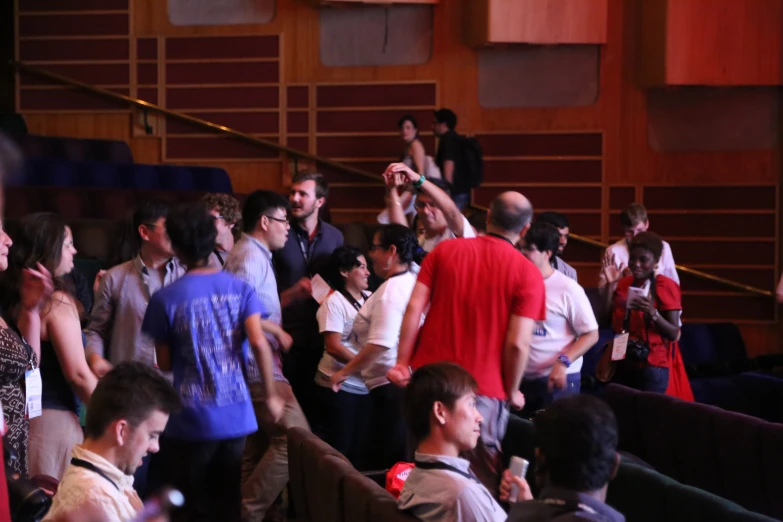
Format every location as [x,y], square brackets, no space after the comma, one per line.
[192,231]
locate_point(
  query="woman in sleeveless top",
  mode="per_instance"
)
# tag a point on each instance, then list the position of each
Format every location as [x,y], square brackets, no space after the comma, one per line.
[46,239]
[414,155]
[16,356]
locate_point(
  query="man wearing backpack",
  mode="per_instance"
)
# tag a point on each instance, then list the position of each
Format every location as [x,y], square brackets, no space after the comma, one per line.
[459,158]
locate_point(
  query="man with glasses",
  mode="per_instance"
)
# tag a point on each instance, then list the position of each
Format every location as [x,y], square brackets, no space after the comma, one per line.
[113,333]
[265,459]
[438,214]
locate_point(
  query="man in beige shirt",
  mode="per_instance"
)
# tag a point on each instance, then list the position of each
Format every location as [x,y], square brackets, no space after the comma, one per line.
[127,413]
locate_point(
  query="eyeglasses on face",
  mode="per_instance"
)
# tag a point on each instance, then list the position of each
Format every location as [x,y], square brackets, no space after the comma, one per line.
[375,247]
[280,220]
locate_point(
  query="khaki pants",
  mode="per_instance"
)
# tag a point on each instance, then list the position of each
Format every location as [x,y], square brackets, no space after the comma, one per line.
[52,436]
[265,459]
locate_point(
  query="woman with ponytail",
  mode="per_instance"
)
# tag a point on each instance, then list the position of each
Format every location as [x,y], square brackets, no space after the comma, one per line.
[377,331]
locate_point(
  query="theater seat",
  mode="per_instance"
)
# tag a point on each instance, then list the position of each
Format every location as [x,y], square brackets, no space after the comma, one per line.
[211,179]
[329,504]
[175,177]
[137,176]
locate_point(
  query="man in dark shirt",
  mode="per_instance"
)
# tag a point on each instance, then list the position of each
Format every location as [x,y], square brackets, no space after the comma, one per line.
[576,458]
[305,254]
[450,156]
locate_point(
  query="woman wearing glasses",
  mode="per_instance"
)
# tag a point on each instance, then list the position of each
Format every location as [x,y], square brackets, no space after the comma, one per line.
[377,331]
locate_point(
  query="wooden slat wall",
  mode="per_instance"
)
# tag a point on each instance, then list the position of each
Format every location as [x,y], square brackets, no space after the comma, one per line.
[701,185]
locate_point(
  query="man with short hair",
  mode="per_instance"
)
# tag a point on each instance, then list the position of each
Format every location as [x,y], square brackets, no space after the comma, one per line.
[441,413]
[265,457]
[576,457]
[560,222]
[450,156]
[113,333]
[634,220]
[484,298]
[305,254]
[202,325]
[127,413]
[228,217]
[568,332]
[438,214]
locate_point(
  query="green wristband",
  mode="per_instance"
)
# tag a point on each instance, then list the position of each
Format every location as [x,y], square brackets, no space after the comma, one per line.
[419,183]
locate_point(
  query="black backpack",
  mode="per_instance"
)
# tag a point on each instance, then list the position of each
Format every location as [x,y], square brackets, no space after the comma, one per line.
[473,161]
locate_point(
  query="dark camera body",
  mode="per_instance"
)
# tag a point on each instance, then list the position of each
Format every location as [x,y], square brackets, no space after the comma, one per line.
[27,501]
[637,350]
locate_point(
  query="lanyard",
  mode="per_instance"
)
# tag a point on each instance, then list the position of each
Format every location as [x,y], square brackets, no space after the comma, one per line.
[352,300]
[220,258]
[446,467]
[27,347]
[569,506]
[501,237]
[79,463]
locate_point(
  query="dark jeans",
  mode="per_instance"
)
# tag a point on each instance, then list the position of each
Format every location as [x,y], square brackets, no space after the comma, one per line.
[388,436]
[299,367]
[347,423]
[643,378]
[207,473]
[538,396]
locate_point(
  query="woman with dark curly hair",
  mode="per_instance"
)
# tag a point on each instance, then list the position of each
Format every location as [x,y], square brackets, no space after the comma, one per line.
[648,308]
[377,330]
[45,239]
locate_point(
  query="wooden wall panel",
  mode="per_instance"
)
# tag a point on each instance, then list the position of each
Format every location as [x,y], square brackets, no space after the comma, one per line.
[630,169]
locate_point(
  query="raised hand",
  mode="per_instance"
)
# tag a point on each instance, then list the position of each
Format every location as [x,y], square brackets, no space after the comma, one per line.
[611,272]
[37,287]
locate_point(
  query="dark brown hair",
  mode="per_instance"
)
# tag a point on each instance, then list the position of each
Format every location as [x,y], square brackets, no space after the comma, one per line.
[321,186]
[438,382]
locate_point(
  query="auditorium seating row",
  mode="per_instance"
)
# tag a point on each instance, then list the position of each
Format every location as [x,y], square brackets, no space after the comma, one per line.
[73,149]
[639,492]
[735,456]
[326,488]
[40,172]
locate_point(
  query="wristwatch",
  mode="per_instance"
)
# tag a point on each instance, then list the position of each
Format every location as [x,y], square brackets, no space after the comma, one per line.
[564,359]
[654,317]
[420,181]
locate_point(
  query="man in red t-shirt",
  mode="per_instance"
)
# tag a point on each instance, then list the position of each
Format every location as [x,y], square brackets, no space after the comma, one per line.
[484,299]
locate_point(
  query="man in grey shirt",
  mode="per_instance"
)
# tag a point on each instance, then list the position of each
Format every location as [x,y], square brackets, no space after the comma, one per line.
[440,409]
[114,331]
[564,228]
[265,458]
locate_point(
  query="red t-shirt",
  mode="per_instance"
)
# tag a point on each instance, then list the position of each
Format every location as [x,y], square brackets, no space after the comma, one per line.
[475,286]
[667,298]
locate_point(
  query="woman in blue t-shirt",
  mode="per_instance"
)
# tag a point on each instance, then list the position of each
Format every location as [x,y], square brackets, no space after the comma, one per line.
[200,325]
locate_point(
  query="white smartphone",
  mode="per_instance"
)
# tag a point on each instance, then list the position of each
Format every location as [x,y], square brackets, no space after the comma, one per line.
[518,467]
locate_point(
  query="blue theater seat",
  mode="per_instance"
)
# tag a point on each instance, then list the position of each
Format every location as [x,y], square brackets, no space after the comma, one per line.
[175,177]
[211,179]
[103,175]
[138,176]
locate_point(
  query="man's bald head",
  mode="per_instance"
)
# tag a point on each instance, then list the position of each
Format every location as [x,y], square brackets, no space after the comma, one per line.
[510,212]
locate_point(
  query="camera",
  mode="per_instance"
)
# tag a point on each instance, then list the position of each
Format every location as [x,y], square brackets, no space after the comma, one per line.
[28,502]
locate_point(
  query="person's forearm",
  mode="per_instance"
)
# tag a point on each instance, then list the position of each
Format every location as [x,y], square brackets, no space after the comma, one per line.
[337,349]
[263,354]
[408,334]
[363,359]
[396,210]
[581,346]
[29,323]
[83,382]
[287,297]
[665,327]
[515,357]
[448,171]
[272,328]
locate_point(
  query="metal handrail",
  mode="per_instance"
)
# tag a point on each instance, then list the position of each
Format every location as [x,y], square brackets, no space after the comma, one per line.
[141,104]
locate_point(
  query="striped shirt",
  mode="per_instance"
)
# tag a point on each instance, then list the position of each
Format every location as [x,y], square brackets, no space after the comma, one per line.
[251,261]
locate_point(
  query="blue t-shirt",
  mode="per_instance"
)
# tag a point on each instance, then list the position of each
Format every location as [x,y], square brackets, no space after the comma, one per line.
[202,320]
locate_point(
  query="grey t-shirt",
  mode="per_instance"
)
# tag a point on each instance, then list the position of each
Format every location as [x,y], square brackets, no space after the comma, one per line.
[448,496]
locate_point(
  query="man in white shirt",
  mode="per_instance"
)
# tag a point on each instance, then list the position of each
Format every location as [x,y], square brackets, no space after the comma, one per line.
[127,413]
[634,220]
[440,409]
[570,328]
[438,214]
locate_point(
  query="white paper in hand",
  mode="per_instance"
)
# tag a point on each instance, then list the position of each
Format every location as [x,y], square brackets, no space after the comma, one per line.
[634,292]
[320,289]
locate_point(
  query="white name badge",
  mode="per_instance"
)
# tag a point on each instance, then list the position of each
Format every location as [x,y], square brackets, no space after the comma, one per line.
[33,388]
[619,346]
